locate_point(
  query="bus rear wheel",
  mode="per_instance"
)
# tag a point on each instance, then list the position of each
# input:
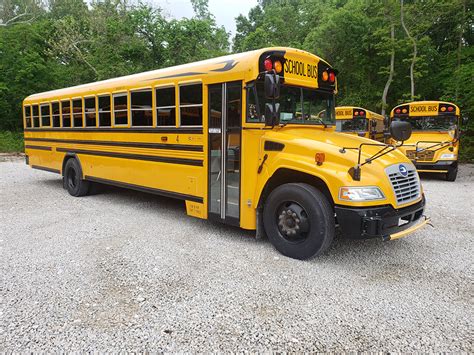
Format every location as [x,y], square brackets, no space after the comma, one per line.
[452,174]
[73,181]
[299,220]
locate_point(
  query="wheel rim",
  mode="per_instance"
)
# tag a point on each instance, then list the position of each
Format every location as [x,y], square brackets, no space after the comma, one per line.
[72,178]
[293,222]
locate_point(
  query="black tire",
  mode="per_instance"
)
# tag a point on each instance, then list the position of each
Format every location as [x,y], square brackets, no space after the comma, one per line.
[73,181]
[302,205]
[452,174]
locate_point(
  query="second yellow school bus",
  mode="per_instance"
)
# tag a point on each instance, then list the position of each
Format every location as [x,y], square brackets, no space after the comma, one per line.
[360,121]
[241,139]
[434,143]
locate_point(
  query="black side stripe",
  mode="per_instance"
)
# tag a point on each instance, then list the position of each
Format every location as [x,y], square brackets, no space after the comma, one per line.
[174,130]
[45,169]
[145,189]
[192,148]
[170,160]
[38,147]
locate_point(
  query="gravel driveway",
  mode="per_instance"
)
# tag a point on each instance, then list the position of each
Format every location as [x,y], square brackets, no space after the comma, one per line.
[123,270]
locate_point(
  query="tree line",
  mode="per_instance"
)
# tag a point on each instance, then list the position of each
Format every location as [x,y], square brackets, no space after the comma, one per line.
[386,51]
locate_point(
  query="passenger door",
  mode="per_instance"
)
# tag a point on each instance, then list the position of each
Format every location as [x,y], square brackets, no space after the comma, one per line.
[225,125]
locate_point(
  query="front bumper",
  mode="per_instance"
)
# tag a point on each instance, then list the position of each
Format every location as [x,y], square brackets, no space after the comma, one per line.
[439,166]
[384,221]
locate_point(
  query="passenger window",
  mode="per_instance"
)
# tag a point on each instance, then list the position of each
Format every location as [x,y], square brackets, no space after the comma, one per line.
[66,113]
[120,109]
[27,115]
[104,111]
[165,107]
[77,112]
[89,105]
[141,106]
[190,105]
[35,116]
[45,115]
[55,108]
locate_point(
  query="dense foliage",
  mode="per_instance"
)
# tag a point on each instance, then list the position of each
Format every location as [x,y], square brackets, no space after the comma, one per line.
[58,43]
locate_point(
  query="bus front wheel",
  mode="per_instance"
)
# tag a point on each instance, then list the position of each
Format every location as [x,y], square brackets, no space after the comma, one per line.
[298,220]
[452,174]
[73,181]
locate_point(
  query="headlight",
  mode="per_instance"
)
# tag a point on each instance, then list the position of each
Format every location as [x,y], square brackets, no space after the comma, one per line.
[363,193]
[449,156]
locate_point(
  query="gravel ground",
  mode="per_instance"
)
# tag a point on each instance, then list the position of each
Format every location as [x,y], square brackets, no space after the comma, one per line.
[128,271]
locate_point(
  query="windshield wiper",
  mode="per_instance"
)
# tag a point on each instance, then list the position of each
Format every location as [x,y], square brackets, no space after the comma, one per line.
[355,172]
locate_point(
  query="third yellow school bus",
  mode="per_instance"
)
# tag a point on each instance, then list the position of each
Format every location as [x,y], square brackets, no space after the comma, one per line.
[240,139]
[434,143]
[360,121]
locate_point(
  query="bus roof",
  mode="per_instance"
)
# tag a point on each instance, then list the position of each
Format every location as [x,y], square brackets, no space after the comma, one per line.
[426,102]
[240,62]
[369,114]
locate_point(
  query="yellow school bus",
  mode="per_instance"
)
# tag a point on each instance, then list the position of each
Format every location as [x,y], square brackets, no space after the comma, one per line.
[360,121]
[238,138]
[434,143]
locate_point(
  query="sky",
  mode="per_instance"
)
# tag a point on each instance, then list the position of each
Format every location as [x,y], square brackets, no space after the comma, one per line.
[224,11]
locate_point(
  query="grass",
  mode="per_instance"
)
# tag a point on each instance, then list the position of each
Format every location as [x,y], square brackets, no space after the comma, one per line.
[11,142]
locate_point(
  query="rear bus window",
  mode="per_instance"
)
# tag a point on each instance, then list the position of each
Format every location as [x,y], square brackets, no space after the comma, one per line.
[55,109]
[27,115]
[104,111]
[45,115]
[141,107]
[66,113]
[77,112]
[35,116]
[190,105]
[120,109]
[89,104]
[165,106]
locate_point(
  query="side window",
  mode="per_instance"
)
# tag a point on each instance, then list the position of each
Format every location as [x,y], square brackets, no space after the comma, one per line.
[27,115]
[104,111]
[120,109]
[55,109]
[141,106]
[77,112]
[89,110]
[35,116]
[66,113]
[165,106]
[45,115]
[190,105]
[255,103]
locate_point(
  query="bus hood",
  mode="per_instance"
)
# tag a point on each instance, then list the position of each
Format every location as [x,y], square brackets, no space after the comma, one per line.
[319,140]
[432,136]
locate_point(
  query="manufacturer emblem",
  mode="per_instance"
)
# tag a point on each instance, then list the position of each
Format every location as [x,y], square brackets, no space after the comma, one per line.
[403,170]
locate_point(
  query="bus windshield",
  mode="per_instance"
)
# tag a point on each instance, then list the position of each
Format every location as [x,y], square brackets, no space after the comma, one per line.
[431,123]
[352,125]
[297,106]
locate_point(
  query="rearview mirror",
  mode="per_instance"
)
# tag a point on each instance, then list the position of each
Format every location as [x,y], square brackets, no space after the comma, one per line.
[272,114]
[465,120]
[400,131]
[272,86]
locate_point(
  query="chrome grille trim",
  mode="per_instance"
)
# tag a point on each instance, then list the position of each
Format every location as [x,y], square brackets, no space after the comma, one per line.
[406,188]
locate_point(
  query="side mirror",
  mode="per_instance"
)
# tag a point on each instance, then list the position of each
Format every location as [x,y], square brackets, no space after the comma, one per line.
[386,121]
[272,86]
[272,114]
[465,120]
[400,131]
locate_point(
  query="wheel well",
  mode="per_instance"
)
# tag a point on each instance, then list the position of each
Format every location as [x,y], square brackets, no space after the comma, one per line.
[284,176]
